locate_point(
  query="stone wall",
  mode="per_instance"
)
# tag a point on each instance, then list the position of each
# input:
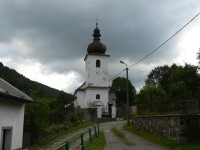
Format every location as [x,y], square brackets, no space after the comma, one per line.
[180,128]
[89,114]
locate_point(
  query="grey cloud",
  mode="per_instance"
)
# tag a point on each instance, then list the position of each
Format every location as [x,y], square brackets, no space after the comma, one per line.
[60,31]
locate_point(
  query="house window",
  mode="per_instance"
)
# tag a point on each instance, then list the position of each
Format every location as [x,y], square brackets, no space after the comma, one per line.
[98,63]
[97,96]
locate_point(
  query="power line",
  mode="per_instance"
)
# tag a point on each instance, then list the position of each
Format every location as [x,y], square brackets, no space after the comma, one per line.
[110,78]
[115,76]
[118,75]
[154,49]
[137,70]
[164,42]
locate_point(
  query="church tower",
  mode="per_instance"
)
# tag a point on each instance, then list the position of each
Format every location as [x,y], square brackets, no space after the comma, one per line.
[94,92]
[96,62]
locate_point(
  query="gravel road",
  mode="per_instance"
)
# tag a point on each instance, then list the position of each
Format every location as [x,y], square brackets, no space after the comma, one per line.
[114,143]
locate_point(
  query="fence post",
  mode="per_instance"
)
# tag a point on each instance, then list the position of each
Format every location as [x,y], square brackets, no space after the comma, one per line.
[98,128]
[95,130]
[66,145]
[82,142]
[90,135]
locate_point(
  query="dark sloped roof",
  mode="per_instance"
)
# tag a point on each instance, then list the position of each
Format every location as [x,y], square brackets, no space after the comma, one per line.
[81,88]
[84,86]
[9,91]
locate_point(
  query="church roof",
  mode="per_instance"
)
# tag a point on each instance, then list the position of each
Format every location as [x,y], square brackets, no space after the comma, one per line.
[84,86]
[96,46]
[95,54]
[9,91]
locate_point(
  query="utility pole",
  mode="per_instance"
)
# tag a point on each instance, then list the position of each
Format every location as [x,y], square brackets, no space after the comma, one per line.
[127,93]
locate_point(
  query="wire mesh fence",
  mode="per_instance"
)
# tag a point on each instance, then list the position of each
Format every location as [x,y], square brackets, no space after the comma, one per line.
[80,140]
[159,105]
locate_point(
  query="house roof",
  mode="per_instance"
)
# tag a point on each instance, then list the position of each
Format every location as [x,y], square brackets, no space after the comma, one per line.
[9,91]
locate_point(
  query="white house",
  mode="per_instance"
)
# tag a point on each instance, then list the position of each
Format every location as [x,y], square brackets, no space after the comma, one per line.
[94,92]
[12,103]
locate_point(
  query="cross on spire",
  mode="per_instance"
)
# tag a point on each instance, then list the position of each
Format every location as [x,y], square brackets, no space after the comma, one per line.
[97,21]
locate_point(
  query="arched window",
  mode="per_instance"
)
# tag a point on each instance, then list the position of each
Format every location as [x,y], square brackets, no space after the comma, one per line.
[98,63]
[97,96]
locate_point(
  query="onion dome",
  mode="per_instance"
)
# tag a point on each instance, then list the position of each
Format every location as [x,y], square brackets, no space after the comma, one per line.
[96,46]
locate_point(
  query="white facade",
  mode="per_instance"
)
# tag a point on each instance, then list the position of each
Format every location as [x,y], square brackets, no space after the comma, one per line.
[94,93]
[12,104]
[11,123]
[87,98]
[80,99]
[96,75]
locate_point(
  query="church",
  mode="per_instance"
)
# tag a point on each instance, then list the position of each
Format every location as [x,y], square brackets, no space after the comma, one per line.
[95,91]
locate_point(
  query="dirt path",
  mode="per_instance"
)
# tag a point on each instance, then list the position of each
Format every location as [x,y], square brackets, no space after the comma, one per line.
[114,143]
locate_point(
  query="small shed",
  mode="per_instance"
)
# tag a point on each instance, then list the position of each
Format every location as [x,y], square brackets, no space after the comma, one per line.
[12,104]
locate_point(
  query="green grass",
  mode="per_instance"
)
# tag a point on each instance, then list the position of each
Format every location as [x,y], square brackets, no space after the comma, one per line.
[170,144]
[98,143]
[121,135]
[47,140]
[187,147]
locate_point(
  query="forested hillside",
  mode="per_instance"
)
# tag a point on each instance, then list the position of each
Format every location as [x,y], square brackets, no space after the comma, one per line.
[52,111]
[24,84]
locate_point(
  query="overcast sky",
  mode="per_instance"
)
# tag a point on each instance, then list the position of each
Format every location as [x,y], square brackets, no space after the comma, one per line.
[46,40]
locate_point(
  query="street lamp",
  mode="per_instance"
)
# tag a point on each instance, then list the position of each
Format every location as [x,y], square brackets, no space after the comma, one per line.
[127,93]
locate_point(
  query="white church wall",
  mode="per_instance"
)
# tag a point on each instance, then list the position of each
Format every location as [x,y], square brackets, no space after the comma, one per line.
[113,115]
[80,101]
[96,78]
[12,117]
[91,96]
[86,98]
[99,109]
[96,75]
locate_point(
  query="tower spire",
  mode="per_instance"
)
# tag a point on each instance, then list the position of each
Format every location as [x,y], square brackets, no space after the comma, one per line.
[96,33]
[96,46]
[97,22]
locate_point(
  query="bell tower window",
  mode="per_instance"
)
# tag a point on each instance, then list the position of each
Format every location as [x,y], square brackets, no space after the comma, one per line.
[97,96]
[98,63]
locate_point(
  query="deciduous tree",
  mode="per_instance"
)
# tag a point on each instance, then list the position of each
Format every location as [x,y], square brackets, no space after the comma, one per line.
[119,87]
[159,76]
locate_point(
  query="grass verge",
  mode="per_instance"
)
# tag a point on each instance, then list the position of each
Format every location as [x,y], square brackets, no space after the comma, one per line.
[121,135]
[98,143]
[170,144]
[47,140]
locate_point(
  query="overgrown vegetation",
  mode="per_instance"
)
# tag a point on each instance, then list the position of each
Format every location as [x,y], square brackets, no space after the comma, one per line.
[119,87]
[170,144]
[50,138]
[170,89]
[49,115]
[121,135]
[53,111]
[98,143]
